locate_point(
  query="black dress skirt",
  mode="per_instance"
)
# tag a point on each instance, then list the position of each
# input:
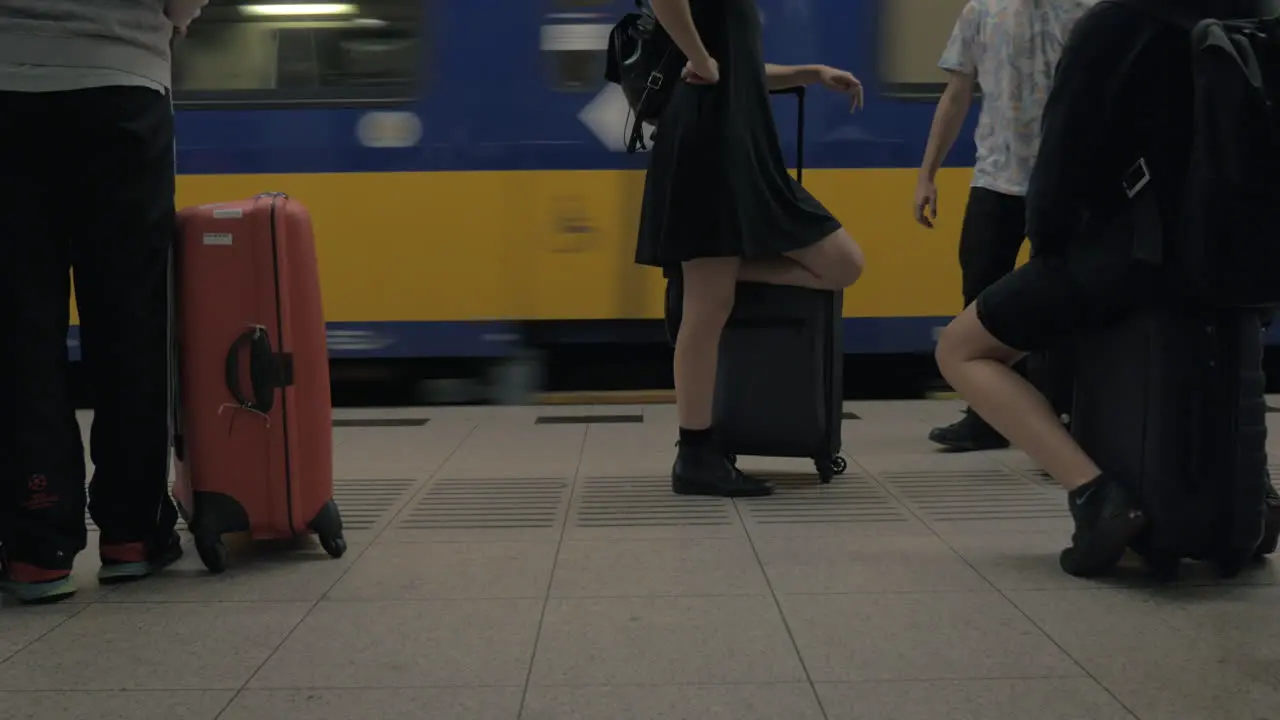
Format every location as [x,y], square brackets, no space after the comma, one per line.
[717,184]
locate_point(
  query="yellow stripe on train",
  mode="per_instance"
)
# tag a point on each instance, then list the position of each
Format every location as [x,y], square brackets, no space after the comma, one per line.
[558,245]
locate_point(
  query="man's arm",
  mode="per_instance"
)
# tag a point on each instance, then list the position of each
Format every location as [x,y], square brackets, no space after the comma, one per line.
[952,110]
[781,77]
[960,60]
[1077,118]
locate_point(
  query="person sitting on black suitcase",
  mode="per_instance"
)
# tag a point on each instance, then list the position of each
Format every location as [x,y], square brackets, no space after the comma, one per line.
[1122,83]
[720,204]
[86,180]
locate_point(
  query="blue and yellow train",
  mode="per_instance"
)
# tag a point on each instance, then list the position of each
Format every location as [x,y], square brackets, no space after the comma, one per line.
[462,161]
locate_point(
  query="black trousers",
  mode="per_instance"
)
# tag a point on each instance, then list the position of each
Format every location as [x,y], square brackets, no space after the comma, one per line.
[86,187]
[994,227]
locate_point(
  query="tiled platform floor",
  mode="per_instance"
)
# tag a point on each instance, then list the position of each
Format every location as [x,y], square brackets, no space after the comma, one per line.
[504,567]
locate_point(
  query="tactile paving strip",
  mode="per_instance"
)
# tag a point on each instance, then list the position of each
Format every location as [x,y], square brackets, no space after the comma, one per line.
[380,422]
[644,502]
[850,498]
[995,494]
[488,504]
[363,503]
[588,419]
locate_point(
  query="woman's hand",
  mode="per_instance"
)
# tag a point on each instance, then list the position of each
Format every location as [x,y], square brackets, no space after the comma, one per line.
[704,72]
[842,82]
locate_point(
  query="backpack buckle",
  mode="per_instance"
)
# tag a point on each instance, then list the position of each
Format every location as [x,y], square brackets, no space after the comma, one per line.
[655,80]
[1136,178]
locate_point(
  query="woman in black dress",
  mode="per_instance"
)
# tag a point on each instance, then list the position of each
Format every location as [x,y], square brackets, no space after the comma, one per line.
[720,205]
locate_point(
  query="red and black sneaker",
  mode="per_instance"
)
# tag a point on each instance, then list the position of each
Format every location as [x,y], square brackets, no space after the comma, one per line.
[32,584]
[124,562]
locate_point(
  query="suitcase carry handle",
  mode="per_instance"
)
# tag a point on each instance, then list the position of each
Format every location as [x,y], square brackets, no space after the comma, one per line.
[267,371]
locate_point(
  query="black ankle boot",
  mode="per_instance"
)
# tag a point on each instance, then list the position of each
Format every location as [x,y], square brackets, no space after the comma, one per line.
[702,469]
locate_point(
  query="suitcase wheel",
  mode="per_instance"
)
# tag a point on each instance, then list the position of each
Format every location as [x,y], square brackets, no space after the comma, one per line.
[829,468]
[335,546]
[213,553]
[1271,533]
[327,525]
[1165,567]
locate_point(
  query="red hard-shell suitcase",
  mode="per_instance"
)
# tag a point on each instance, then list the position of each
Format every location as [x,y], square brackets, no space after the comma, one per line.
[254,441]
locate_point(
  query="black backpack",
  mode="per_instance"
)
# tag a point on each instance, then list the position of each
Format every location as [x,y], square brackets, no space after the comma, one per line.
[646,63]
[1227,252]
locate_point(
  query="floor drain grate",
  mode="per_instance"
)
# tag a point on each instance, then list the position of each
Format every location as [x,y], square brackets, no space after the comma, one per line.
[645,502]
[803,500]
[994,494]
[588,419]
[488,504]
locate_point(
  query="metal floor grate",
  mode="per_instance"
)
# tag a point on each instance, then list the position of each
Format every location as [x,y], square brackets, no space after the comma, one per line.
[488,504]
[994,494]
[644,502]
[380,422]
[801,499]
[588,419]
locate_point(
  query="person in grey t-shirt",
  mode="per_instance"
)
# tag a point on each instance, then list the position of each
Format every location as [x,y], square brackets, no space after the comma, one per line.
[86,185]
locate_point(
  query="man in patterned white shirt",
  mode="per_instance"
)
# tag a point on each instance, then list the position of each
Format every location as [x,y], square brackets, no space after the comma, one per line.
[1009,49]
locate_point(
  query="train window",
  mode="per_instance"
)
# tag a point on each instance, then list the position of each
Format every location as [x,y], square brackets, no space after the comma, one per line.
[913,34]
[575,36]
[271,51]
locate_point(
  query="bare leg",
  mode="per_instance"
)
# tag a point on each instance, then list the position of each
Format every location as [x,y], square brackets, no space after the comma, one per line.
[833,263]
[709,286]
[976,364]
[701,467]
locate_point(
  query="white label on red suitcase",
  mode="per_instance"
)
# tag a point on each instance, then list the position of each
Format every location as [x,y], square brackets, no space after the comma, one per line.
[228,214]
[217,238]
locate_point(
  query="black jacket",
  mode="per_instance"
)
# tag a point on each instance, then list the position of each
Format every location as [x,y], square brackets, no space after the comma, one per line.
[1122,91]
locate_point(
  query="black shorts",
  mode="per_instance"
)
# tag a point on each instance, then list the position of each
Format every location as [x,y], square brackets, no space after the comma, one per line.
[1054,297]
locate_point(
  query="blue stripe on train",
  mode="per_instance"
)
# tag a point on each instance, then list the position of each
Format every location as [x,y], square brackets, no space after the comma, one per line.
[487,339]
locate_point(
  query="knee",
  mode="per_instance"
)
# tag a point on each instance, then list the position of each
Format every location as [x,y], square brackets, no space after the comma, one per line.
[947,353]
[846,267]
[959,342]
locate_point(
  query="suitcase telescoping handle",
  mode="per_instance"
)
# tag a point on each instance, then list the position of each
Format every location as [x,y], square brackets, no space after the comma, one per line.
[799,91]
[267,371]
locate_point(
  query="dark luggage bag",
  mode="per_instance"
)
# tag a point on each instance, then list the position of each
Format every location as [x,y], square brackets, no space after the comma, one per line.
[1172,401]
[779,383]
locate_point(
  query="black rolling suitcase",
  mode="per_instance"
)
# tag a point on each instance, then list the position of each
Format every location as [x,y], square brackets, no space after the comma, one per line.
[779,384]
[1172,400]
[1053,373]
